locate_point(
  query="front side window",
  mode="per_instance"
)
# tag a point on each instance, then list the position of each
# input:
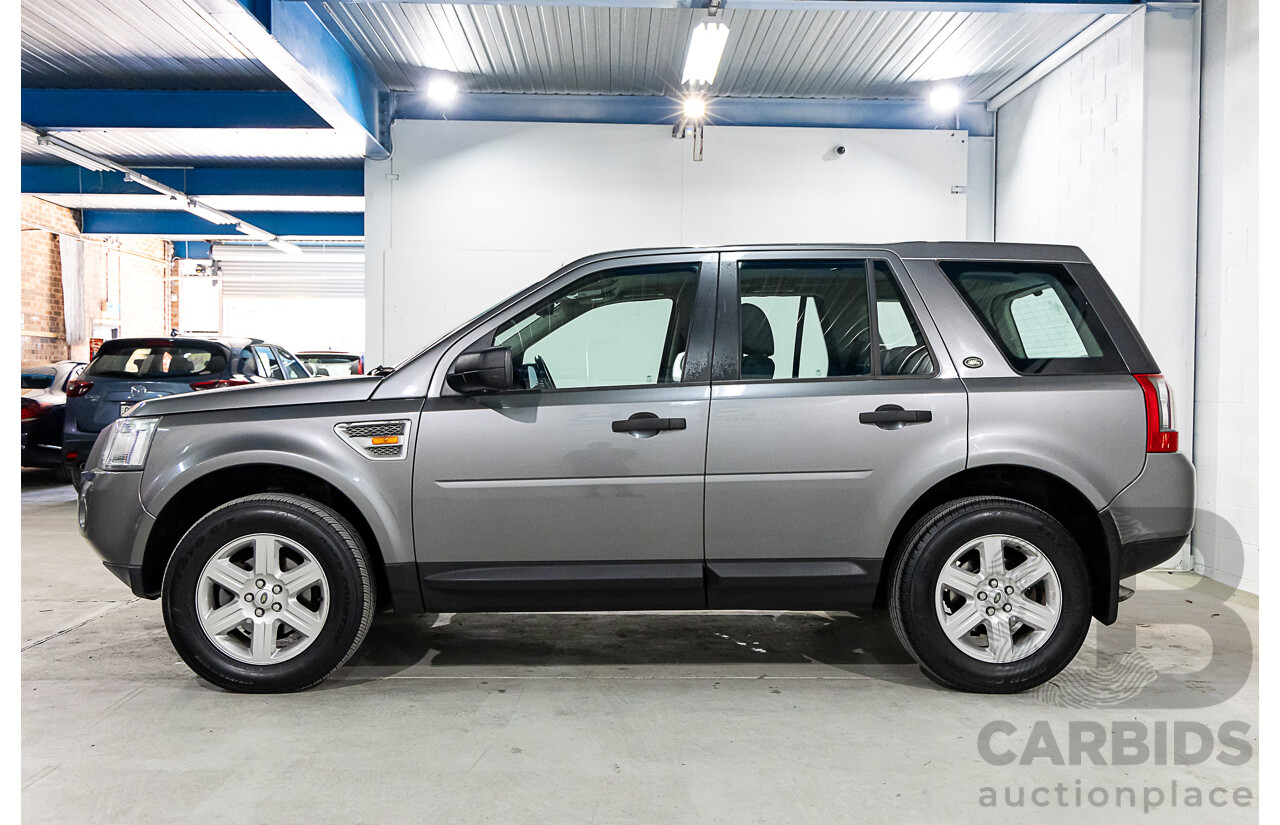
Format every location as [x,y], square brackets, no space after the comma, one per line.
[813,319]
[620,327]
[293,368]
[1037,315]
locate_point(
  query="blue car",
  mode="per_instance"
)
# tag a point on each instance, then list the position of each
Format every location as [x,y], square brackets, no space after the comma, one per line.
[126,371]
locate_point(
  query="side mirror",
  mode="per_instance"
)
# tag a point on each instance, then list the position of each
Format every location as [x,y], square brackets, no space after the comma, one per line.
[482,371]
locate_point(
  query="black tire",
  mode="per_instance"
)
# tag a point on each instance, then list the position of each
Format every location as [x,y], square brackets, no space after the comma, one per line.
[63,473]
[73,475]
[927,548]
[338,549]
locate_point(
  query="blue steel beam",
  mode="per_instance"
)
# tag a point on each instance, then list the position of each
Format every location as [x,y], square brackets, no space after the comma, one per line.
[128,109]
[1022,6]
[291,41]
[726,111]
[164,223]
[73,180]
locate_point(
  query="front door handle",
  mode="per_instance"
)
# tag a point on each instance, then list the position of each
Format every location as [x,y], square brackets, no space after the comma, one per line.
[892,417]
[646,422]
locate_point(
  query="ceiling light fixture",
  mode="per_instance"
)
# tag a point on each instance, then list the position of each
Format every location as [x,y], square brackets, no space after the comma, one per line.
[254,232]
[945,98]
[208,213]
[695,107]
[284,246]
[66,151]
[442,90]
[706,46]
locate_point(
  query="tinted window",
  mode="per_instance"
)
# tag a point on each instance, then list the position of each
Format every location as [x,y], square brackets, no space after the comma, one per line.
[902,348]
[37,380]
[269,362]
[1037,315]
[620,327]
[248,364]
[812,319]
[156,360]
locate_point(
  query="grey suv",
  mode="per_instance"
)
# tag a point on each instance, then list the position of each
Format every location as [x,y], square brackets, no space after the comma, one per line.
[973,434]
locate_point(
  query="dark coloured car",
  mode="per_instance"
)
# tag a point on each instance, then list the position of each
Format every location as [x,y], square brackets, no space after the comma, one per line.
[44,399]
[127,371]
[971,434]
[333,364]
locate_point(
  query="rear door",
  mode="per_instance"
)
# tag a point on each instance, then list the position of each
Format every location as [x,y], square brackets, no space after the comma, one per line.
[834,405]
[581,488]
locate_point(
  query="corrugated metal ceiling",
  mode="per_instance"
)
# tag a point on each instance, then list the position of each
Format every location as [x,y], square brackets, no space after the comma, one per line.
[791,54]
[131,44]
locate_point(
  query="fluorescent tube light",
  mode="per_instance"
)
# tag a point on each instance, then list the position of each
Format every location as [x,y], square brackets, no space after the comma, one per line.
[945,98]
[706,45]
[254,232]
[695,108]
[284,246]
[208,213]
[67,152]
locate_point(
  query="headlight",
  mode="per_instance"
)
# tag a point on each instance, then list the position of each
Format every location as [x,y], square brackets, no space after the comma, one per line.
[128,443]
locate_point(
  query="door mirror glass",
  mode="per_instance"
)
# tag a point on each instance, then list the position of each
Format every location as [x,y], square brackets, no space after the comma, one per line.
[485,370]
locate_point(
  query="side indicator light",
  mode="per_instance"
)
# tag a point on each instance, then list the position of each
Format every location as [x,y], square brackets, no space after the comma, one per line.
[386,439]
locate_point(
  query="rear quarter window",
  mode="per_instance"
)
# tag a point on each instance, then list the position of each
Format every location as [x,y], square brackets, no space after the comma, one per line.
[1037,315]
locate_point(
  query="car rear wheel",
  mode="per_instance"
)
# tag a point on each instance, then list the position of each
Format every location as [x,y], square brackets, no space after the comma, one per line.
[268,593]
[63,472]
[990,595]
[74,475]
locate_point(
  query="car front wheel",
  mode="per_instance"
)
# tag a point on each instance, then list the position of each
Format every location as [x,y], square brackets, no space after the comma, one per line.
[990,595]
[268,593]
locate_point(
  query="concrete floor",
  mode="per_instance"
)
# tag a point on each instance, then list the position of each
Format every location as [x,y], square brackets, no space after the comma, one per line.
[647,718]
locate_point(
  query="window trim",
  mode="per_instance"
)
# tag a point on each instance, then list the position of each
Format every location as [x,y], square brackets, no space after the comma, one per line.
[701,322]
[727,359]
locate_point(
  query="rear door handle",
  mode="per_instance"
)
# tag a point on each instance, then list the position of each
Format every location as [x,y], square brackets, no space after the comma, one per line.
[646,422]
[893,414]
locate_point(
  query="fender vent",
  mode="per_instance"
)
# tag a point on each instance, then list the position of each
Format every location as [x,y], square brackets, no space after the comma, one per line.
[376,440]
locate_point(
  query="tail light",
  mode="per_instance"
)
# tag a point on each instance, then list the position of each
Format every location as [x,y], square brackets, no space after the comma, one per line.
[219,383]
[75,389]
[31,409]
[1162,437]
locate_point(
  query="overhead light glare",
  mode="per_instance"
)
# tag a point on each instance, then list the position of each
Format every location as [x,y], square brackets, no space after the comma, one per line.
[695,108]
[945,98]
[442,90]
[208,213]
[284,246]
[706,46]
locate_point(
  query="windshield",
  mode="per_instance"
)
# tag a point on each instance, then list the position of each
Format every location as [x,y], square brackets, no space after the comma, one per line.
[332,365]
[157,360]
[37,379]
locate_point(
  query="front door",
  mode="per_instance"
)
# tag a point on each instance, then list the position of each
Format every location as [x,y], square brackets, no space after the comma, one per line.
[581,488]
[833,408]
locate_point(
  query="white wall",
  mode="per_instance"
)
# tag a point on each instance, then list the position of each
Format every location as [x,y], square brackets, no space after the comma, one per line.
[1102,153]
[298,323]
[465,213]
[1226,429]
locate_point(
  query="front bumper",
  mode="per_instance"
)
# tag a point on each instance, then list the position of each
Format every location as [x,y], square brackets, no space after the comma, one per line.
[117,526]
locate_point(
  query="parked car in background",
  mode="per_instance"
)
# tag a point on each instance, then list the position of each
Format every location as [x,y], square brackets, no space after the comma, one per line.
[127,371]
[333,364]
[44,400]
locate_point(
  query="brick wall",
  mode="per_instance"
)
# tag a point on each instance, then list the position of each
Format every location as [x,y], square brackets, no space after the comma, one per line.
[125,285]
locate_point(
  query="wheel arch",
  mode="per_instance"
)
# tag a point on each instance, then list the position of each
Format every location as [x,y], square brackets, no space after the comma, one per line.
[200,495]
[1094,531]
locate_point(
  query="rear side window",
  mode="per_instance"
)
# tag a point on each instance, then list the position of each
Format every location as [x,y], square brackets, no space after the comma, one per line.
[156,360]
[1037,315]
[269,362]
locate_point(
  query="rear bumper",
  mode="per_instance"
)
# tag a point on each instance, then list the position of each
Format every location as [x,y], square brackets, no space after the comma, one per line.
[1147,523]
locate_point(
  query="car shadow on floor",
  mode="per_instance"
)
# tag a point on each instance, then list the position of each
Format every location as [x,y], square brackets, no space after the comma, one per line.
[430,645]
